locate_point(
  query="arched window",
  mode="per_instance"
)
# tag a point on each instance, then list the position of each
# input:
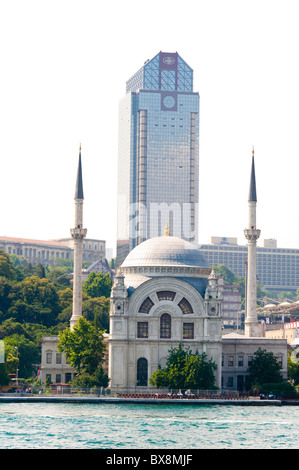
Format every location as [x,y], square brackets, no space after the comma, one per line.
[165,326]
[142,372]
[185,306]
[166,295]
[146,305]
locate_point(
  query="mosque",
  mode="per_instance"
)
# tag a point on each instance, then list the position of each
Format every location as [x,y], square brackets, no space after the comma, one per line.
[165,294]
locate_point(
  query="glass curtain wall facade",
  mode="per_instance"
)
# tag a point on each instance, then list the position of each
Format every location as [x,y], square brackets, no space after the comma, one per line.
[158,154]
[277,268]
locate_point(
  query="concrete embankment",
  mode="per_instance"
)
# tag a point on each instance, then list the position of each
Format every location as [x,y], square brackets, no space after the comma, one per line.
[143,401]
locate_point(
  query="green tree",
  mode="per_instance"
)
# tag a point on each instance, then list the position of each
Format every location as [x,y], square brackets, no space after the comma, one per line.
[98,285]
[4,379]
[5,294]
[59,277]
[263,369]
[226,273]
[6,266]
[84,349]
[293,366]
[21,353]
[36,300]
[185,370]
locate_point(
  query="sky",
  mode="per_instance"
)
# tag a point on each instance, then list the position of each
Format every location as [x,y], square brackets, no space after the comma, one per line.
[64,65]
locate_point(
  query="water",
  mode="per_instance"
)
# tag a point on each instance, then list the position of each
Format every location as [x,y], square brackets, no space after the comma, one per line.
[136,426]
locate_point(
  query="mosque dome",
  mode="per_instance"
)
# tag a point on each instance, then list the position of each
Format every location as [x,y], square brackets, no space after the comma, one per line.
[165,256]
[165,251]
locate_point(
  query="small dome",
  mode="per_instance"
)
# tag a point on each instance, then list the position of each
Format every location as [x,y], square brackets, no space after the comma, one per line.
[165,251]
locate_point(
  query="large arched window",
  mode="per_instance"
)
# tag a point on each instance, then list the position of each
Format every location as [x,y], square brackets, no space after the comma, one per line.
[185,306]
[142,372]
[165,326]
[166,295]
[146,305]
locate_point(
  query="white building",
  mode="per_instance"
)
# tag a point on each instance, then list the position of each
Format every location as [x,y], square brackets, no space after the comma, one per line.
[164,295]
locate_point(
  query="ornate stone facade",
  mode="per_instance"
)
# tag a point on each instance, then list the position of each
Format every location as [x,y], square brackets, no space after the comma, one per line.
[157,308]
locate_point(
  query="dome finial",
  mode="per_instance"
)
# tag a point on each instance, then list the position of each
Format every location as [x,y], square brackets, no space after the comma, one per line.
[166,230]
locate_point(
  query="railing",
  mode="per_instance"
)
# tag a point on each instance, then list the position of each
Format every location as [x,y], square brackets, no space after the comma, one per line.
[184,394]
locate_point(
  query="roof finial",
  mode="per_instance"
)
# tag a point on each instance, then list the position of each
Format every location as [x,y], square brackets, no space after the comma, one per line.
[166,230]
[80,149]
[253,151]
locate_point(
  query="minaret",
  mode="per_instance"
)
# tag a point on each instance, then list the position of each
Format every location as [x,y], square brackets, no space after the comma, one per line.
[78,233]
[252,234]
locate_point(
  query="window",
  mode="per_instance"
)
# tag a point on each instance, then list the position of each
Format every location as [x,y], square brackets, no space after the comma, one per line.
[230,361]
[58,378]
[250,359]
[142,329]
[240,361]
[68,377]
[49,358]
[142,372]
[188,330]
[230,381]
[166,295]
[146,305]
[185,306]
[58,358]
[165,326]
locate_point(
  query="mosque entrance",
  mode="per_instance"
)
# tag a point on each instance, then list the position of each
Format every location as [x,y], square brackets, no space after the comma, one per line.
[142,372]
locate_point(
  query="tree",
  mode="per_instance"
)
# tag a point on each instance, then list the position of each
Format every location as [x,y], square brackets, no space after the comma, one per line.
[98,285]
[263,369]
[6,266]
[84,349]
[293,366]
[35,300]
[185,370]
[5,294]
[59,277]
[21,353]
[4,379]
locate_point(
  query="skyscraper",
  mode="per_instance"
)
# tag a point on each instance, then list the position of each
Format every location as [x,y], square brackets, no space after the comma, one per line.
[158,153]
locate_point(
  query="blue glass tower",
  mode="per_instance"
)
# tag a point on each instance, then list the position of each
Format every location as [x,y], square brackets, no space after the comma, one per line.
[158,154]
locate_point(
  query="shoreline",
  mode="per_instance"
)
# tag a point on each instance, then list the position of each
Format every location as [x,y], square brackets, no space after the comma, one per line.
[146,401]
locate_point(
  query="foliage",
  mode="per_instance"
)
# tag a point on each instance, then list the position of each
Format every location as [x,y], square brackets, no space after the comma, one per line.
[293,367]
[280,390]
[21,353]
[263,369]
[6,267]
[35,301]
[231,279]
[98,379]
[98,285]
[185,370]
[83,347]
[4,379]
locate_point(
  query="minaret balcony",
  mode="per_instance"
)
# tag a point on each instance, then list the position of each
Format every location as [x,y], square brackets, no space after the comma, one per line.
[252,234]
[78,233]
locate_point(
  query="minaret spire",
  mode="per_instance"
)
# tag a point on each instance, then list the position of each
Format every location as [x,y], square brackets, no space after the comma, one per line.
[78,233]
[79,182]
[252,234]
[252,187]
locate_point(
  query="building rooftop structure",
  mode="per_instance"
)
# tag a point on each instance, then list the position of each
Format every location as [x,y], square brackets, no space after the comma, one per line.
[166,251]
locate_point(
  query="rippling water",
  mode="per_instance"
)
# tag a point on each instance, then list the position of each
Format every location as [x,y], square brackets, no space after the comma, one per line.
[136,426]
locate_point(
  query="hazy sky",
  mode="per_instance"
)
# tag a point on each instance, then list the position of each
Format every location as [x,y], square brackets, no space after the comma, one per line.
[64,65]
